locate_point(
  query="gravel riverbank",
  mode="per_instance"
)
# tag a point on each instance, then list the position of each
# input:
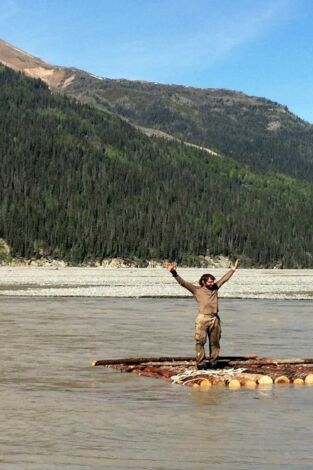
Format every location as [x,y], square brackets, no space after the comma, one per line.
[149,282]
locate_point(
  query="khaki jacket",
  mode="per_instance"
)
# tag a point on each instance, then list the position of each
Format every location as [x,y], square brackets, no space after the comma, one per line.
[207,299]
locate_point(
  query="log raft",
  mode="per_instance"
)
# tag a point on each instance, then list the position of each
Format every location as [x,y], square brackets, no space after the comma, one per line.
[233,371]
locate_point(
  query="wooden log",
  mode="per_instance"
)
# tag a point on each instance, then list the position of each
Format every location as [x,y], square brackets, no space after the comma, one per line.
[205,384]
[246,376]
[270,361]
[249,384]
[231,361]
[142,360]
[282,379]
[218,382]
[234,384]
[298,381]
[309,379]
[171,359]
[265,381]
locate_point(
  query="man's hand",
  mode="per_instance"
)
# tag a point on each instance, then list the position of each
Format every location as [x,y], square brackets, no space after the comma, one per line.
[169,266]
[235,265]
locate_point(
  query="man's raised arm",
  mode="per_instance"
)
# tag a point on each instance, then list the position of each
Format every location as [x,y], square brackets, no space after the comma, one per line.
[229,274]
[187,285]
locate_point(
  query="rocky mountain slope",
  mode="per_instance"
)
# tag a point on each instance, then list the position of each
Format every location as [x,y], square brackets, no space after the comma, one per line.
[255,131]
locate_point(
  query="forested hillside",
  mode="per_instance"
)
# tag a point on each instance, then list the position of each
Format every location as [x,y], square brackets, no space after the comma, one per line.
[255,131]
[261,133]
[79,184]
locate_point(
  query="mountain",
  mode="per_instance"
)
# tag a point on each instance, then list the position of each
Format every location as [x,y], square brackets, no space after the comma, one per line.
[18,60]
[254,131]
[80,184]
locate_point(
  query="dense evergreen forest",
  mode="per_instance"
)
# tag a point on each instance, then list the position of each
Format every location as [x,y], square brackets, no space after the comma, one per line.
[80,184]
[252,130]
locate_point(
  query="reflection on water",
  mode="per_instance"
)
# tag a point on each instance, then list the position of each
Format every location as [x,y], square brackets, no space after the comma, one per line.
[58,412]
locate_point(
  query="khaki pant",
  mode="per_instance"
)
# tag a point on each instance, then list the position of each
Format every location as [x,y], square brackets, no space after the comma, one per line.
[207,326]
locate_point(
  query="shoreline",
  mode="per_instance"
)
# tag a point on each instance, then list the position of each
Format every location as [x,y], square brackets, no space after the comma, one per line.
[117,282]
[200,261]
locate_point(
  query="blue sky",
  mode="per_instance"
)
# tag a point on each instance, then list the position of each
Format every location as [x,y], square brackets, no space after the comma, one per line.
[261,47]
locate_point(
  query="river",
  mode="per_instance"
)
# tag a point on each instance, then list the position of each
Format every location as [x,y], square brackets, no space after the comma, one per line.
[58,412]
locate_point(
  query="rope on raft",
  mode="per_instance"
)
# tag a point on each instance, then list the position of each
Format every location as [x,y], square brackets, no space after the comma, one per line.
[192,375]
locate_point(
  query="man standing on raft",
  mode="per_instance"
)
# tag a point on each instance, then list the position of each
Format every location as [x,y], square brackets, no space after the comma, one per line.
[208,323]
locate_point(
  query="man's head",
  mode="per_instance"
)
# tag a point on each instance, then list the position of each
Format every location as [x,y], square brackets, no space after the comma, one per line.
[207,280]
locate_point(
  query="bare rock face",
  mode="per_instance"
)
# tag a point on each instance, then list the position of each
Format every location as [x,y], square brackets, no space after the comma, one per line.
[116,263]
[44,262]
[214,261]
[221,262]
[5,251]
[19,60]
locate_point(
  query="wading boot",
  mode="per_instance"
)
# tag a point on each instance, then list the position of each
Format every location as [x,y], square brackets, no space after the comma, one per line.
[212,365]
[202,366]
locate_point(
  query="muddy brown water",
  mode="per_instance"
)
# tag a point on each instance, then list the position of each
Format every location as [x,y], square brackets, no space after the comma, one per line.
[59,412]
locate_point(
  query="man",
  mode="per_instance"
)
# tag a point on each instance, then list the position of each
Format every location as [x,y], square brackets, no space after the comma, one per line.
[208,323]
